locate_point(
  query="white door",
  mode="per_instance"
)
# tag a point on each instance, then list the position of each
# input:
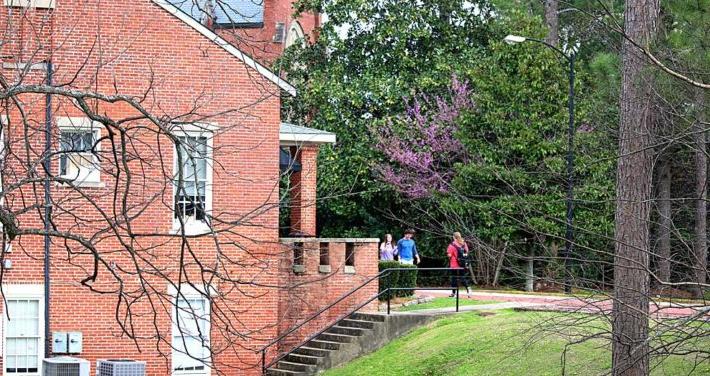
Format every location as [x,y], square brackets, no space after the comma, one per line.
[23,336]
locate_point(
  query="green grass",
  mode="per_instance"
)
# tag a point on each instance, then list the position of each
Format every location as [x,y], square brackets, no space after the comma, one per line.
[505,343]
[443,303]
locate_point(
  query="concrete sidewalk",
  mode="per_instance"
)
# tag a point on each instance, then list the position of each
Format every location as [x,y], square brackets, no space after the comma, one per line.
[598,304]
[467,308]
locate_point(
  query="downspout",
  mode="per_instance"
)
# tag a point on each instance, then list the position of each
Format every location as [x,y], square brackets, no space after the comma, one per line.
[47,206]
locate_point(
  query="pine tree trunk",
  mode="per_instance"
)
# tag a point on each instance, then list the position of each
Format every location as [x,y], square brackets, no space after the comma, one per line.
[633,196]
[664,222]
[552,21]
[530,275]
[700,247]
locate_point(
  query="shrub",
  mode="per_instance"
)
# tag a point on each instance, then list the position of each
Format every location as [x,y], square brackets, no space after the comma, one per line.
[397,279]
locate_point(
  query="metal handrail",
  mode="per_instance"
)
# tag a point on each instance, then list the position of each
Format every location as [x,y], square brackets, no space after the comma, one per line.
[265,366]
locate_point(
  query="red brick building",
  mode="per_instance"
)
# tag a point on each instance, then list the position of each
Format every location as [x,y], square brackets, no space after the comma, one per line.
[140,193]
[263,28]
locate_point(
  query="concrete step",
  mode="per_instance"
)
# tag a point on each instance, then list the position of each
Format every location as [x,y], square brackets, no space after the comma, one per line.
[347,330]
[368,317]
[333,337]
[311,351]
[303,359]
[292,366]
[284,372]
[327,345]
[357,324]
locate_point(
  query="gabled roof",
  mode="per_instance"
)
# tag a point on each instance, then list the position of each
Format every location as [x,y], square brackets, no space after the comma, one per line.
[239,54]
[291,134]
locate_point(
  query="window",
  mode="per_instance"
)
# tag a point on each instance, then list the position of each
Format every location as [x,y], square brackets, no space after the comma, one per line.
[23,348]
[349,254]
[79,147]
[191,335]
[298,258]
[324,266]
[295,34]
[349,258]
[193,174]
[324,254]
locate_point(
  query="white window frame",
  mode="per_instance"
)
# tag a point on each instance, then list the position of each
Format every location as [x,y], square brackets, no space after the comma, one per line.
[194,226]
[190,292]
[5,123]
[80,124]
[46,4]
[295,34]
[24,292]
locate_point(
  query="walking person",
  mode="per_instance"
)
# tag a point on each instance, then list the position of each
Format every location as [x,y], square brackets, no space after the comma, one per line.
[407,249]
[388,248]
[457,252]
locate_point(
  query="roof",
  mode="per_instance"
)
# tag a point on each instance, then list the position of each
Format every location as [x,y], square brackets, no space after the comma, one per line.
[296,134]
[230,48]
[225,12]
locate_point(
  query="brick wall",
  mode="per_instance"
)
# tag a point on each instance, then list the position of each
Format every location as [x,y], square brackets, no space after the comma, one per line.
[303,190]
[313,288]
[259,41]
[136,48]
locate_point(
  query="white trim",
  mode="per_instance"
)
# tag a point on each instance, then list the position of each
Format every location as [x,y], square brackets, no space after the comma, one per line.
[295,139]
[192,290]
[193,226]
[294,34]
[23,66]
[193,128]
[23,291]
[69,122]
[188,292]
[239,54]
[73,124]
[29,292]
[30,3]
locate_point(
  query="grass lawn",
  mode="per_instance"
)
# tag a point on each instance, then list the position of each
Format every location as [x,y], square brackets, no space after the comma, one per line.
[443,303]
[499,344]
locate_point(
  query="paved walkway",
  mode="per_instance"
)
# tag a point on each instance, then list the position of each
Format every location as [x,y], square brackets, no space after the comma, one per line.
[600,304]
[478,307]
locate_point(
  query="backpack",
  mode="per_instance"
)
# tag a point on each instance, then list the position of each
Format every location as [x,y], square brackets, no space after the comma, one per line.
[459,252]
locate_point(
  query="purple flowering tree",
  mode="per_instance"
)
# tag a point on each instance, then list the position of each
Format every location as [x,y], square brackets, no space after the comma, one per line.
[421,145]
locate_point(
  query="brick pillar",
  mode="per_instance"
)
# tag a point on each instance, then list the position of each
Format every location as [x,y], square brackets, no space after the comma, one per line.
[303,191]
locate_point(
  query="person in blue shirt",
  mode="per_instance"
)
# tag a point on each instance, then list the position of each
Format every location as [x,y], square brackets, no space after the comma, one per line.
[407,249]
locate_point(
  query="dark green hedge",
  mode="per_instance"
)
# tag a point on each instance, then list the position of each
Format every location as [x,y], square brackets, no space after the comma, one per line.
[397,279]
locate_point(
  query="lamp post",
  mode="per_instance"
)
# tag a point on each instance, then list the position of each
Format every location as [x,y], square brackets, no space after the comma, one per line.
[569,231]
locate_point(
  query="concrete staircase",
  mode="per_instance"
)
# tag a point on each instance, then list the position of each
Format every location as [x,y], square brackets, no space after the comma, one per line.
[350,338]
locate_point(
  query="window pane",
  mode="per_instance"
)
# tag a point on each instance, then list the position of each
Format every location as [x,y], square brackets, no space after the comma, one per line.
[32,361]
[190,197]
[11,346]
[33,308]
[191,338]
[22,338]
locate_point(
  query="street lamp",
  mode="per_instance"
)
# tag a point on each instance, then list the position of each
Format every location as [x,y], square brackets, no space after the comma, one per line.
[569,231]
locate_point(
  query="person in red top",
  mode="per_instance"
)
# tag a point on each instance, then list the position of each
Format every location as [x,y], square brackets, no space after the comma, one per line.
[456,251]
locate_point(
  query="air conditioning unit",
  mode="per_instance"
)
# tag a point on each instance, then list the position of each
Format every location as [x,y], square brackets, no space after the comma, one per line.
[65,366]
[119,367]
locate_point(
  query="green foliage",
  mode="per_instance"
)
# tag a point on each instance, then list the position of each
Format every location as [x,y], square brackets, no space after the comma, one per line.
[397,279]
[370,56]
[348,85]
